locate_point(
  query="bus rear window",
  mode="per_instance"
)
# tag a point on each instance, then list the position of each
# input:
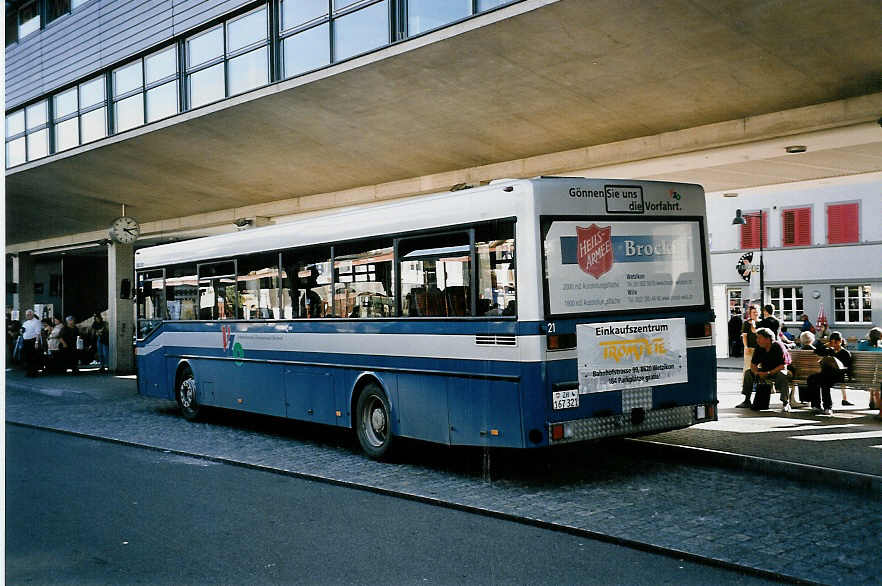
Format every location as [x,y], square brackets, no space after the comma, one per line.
[594,265]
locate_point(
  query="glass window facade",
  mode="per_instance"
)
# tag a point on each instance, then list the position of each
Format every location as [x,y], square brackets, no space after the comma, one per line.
[93,124]
[425,15]
[249,71]
[297,12]
[246,30]
[161,65]
[206,86]
[220,61]
[205,47]
[361,31]
[28,19]
[129,113]
[128,78]
[162,101]
[92,92]
[67,134]
[38,144]
[307,50]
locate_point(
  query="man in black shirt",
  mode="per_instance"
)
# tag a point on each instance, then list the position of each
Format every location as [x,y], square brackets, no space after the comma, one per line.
[766,366]
[769,320]
[834,367]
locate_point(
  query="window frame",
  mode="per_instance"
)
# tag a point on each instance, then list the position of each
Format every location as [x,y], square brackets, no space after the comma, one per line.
[860,299]
[797,301]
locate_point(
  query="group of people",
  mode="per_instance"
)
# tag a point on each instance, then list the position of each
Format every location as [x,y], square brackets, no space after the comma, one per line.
[56,346]
[766,358]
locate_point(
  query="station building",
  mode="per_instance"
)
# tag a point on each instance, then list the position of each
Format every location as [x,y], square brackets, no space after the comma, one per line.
[199,117]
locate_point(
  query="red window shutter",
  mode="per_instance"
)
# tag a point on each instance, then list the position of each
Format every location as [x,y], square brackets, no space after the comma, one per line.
[750,232]
[804,227]
[842,223]
[796,227]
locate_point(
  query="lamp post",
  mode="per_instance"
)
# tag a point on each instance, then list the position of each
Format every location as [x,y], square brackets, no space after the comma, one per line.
[740,220]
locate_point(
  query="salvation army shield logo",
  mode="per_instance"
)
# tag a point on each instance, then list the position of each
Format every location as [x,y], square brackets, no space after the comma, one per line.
[595,250]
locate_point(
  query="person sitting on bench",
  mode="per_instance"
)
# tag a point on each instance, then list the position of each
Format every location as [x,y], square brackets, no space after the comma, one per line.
[766,366]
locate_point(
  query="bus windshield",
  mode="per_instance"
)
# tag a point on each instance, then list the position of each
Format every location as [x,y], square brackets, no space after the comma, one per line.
[595,265]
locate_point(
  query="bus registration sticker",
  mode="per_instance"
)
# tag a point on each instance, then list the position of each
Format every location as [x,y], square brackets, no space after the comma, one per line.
[565,399]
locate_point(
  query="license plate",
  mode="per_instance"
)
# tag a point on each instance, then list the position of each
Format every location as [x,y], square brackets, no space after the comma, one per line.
[565,399]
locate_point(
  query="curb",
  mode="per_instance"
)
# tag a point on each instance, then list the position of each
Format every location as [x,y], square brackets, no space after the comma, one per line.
[805,473]
[549,525]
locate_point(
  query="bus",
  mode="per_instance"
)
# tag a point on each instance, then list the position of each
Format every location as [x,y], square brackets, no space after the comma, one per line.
[517,314]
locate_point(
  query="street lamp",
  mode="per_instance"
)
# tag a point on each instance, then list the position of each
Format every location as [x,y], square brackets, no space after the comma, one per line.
[740,220]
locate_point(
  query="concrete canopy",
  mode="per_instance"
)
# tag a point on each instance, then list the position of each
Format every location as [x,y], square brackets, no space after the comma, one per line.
[534,78]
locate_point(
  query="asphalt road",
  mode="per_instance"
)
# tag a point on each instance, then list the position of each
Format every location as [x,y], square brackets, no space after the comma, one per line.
[84,511]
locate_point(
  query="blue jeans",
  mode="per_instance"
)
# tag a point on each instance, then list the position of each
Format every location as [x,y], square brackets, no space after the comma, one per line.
[102,353]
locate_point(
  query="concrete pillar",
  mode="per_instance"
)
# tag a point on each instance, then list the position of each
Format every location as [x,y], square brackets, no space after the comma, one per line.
[23,277]
[121,309]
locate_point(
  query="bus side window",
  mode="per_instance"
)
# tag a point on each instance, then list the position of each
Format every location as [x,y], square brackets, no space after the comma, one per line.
[435,275]
[258,285]
[495,251]
[307,288]
[181,292]
[363,279]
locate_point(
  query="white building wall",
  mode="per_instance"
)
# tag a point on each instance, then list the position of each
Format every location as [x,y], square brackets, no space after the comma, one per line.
[816,268]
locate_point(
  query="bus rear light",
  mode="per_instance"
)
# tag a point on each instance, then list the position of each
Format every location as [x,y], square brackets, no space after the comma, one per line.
[700,412]
[494,432]
[557,432]
[707,330]
[561,341]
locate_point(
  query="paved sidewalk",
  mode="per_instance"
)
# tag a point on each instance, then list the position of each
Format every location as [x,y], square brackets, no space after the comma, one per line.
[816,533]
[850,440]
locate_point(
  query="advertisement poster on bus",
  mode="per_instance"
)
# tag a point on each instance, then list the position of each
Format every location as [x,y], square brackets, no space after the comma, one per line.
[597,266]
[629,354]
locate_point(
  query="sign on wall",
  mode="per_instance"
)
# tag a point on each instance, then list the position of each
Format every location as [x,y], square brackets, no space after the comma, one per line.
[597,266]
[629,354]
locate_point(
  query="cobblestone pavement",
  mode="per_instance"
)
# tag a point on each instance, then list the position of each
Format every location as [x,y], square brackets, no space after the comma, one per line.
[815,533]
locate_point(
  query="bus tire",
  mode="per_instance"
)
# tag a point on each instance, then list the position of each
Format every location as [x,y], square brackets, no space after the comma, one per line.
[185,395]
[373,422]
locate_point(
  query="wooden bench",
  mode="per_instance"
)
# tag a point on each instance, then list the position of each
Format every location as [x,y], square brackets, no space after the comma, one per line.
[865,372]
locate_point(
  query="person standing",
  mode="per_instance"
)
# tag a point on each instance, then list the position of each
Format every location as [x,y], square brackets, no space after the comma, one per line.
[735,347]
[102,337]
[769,320]
[748,335]
[55,346]
[31,331]
[70,335]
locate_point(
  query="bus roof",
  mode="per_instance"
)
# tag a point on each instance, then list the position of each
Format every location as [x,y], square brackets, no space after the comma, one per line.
[500,199]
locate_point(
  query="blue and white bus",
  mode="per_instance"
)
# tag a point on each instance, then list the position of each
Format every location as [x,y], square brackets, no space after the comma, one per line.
[523,313]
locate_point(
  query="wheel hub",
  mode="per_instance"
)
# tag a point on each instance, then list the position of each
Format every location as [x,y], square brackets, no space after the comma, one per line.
[378,420]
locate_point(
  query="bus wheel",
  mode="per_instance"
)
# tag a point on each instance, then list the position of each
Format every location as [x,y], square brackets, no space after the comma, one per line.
[185,394]
[372,422]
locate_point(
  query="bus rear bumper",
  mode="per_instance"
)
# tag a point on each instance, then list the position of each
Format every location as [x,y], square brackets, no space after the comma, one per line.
[636,422]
